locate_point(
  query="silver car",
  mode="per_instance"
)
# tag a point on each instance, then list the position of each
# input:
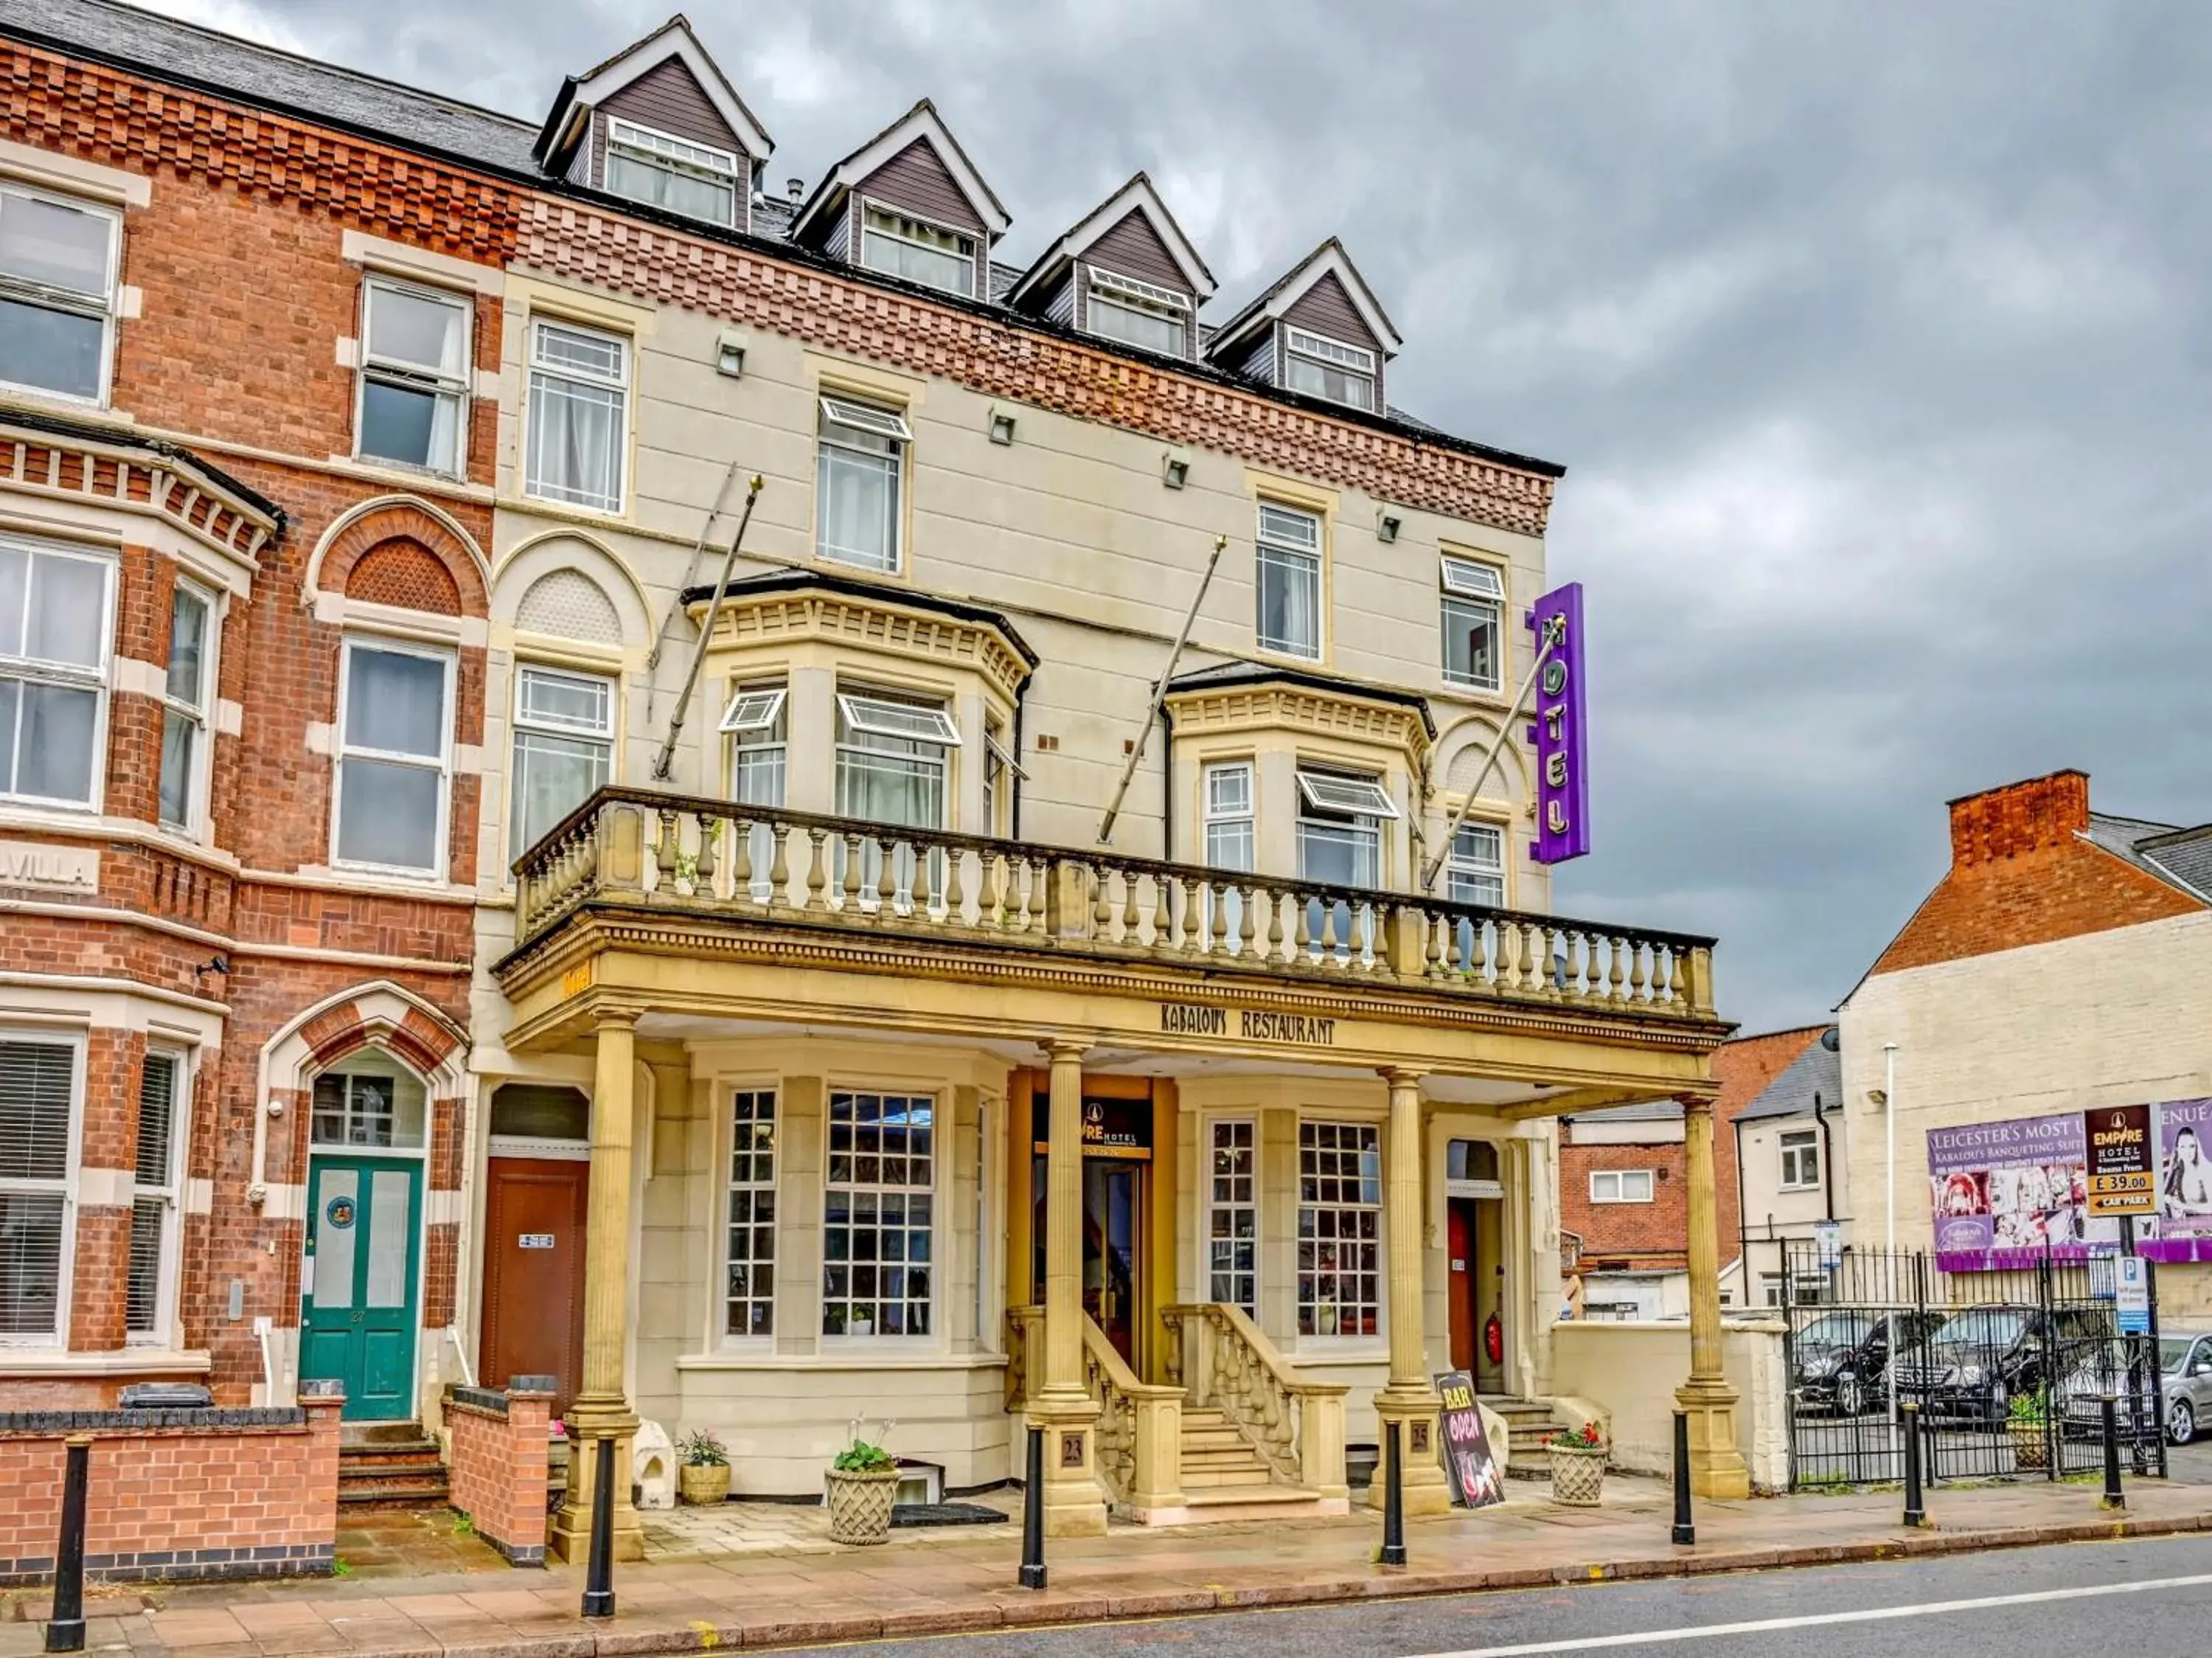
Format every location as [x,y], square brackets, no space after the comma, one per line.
[2184,1359]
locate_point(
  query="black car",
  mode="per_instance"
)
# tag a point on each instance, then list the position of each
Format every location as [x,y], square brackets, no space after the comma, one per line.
[1840,1361]
[1976,1362]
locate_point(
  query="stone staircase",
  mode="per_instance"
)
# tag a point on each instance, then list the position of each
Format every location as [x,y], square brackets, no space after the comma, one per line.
[1527,1421]
[389,1466]
[1225,1478]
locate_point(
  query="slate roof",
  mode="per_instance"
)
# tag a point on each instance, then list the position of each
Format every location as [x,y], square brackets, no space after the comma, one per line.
[2180,858]
[1814,1072]
[1745,1067]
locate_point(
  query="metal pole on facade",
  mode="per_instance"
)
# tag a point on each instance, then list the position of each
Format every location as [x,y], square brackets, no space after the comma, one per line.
[1032,1576]
[1686,1530]
[1393,1501]
[599,1571]
[65,1630]
[1552,635]
[1159,698]
[662,761]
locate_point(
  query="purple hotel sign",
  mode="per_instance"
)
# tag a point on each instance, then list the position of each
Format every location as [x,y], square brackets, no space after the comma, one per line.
[1561,731]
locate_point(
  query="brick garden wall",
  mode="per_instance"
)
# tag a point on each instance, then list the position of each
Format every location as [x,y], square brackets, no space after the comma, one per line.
[497,1463]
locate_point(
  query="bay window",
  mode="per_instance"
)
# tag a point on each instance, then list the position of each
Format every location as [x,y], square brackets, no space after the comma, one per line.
[755,724]
[1340,819]
[697,180]
[861,461]
[1289,580]
[578,416]
[37,1109]
[1472,609]
[185,698]
[900,245]
[395,756]
[58,260]
[1326,368]
[1339,1229]
[892,759]
[877,1215]
[1137,313]
[564,745]
[1229,819]
[415,351]
[56,626]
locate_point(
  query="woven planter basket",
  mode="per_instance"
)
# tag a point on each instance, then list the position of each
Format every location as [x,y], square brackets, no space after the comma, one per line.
[1577,1474]
[2029,1448]
[861,1505]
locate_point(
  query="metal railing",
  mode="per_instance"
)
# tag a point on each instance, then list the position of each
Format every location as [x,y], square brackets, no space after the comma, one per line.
[666,851]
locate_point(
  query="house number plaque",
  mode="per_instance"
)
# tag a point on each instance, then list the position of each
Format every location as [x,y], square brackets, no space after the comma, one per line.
[535,1240]
[1071,1450]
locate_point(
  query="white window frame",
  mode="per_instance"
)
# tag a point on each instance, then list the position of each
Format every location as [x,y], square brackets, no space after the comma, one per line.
[1473,585]
[1795,1148]
[1333,355]
[524,723]
[169,1193]
[1318,814]
[193,711]
[731,1095]
[649,146]
[400,1075]
[26,292]
[1616,1182]
[1141,299]
[1361,797]
[72,676]
[867,714]
[1463,870]
[66,1186]
[753,708]
[1228,816]
[1289,556]
[902,219]
[1379,1243]
[342,750]
[541,372]
[851,415]
[940,1232]
[1207,1269]
[413,376]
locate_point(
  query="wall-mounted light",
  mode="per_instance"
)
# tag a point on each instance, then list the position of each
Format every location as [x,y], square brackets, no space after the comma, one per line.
[1386,527]
[730,356]
[1002,427]
[1175,471]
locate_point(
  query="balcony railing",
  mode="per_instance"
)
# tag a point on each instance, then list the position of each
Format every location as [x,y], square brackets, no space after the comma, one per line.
[712,858]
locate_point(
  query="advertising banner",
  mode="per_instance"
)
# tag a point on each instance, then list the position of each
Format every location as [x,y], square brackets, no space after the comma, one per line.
[2185,1182]
[2122,1160]
[1561,733]
[1475,1480]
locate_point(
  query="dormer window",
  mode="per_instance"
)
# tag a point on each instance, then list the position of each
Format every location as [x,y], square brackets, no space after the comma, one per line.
[695,179]
[919,251]
[1138,313]
[1321,367]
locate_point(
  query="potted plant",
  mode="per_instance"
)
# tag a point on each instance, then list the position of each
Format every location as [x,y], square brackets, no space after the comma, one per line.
[1578,1465]
[704,1474]
[863,1484]
[2029,1423]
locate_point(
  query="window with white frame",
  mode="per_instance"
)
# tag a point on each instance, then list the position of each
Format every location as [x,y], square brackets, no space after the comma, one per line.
[1340,828]
[161,1103]
[661,170]
[564,747]
[1473,606]
[1137,313]
[369,1103]
[415,351]
[878,1211]
[1232,1215]
[900,245]
[395,756]
[58,293]
[185,698]
[1620,1185]
[859,469]
[748,1294]
[1321,367]
[37,1101]
[1229,815]
[578,416]
[1800,1159]
[892,754]
[57,610]
[756,722]
[1475,873]
[1339,1229]
[1289,580]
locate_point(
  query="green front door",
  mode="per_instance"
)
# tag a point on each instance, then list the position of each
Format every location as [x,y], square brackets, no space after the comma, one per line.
[357,1315]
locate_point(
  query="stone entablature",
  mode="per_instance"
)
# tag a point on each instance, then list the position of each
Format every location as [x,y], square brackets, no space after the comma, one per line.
[751,621]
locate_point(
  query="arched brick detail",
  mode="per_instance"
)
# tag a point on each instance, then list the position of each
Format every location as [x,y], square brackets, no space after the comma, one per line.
[391,541]
[403,573]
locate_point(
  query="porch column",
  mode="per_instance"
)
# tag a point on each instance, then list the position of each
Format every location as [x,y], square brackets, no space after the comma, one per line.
[1408,1399]
[601,1408]
[1717,1466]
[1074,1504]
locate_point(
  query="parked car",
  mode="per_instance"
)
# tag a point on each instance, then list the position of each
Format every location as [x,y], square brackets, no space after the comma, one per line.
[2178,1406]
[1840,1361]
[1976,1361]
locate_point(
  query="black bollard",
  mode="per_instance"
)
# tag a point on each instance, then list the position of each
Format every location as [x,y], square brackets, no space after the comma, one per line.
[1033,1515]
[1686,1530]
[2114,1497]
[600,1573]
[1916,1507]
[65,1630]
[1393,1501]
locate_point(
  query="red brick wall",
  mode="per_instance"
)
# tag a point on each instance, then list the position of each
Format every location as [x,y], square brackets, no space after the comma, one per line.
[497,1466]
[172,1503]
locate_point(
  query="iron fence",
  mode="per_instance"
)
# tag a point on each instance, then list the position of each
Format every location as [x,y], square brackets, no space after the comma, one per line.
[2007,1369]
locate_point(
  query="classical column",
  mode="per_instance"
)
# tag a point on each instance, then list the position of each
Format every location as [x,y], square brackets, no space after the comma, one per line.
[1408,1400]
[601,1408]
[1717,1465]
[1063,1407]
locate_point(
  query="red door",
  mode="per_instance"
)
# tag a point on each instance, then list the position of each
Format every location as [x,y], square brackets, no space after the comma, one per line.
[533,1273]
[1459,1295]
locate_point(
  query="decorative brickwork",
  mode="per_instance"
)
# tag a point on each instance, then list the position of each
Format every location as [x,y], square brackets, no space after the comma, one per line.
[44,463]
[405,575]
[498,1462]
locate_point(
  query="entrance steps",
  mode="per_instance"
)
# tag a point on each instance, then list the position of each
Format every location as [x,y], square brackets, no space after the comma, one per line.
[1225,1478]
[1527,1422]
[389,1465]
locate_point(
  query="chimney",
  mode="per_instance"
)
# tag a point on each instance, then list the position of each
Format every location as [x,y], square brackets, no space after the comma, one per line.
[2032,816]
[796,189]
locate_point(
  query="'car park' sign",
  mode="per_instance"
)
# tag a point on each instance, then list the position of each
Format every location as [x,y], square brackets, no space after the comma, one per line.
[2122,1165]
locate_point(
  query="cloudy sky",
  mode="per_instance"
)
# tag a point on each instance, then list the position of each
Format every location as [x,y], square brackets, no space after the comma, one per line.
[1875,339]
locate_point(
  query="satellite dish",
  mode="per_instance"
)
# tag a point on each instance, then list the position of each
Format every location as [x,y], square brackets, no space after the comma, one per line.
[1833,1039]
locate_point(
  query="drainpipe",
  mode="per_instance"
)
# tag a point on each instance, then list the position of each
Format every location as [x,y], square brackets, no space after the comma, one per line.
[1013,776]
[1827,1163]
[1168,789]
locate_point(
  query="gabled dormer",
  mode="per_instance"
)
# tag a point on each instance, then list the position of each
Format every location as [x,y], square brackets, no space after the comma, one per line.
[1320,330]
[1126,272]
[908,203]
[658,123]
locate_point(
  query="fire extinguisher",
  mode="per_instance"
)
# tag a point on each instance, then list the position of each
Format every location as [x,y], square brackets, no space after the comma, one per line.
[1493,1340]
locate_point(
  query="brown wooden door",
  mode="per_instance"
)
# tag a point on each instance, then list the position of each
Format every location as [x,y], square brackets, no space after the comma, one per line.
[533,1274]
[1460,1297]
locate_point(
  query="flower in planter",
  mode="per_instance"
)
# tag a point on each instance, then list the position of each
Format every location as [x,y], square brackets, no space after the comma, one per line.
[1588,1437]
[862,1458]
[701,1448]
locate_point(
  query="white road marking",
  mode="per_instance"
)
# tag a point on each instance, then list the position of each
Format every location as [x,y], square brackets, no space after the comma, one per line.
[1874,1614]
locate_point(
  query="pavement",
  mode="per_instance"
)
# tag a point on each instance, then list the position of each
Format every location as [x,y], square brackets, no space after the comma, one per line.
[416,1604]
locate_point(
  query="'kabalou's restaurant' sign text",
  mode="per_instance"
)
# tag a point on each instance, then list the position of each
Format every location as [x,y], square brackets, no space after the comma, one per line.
[1253,1024]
